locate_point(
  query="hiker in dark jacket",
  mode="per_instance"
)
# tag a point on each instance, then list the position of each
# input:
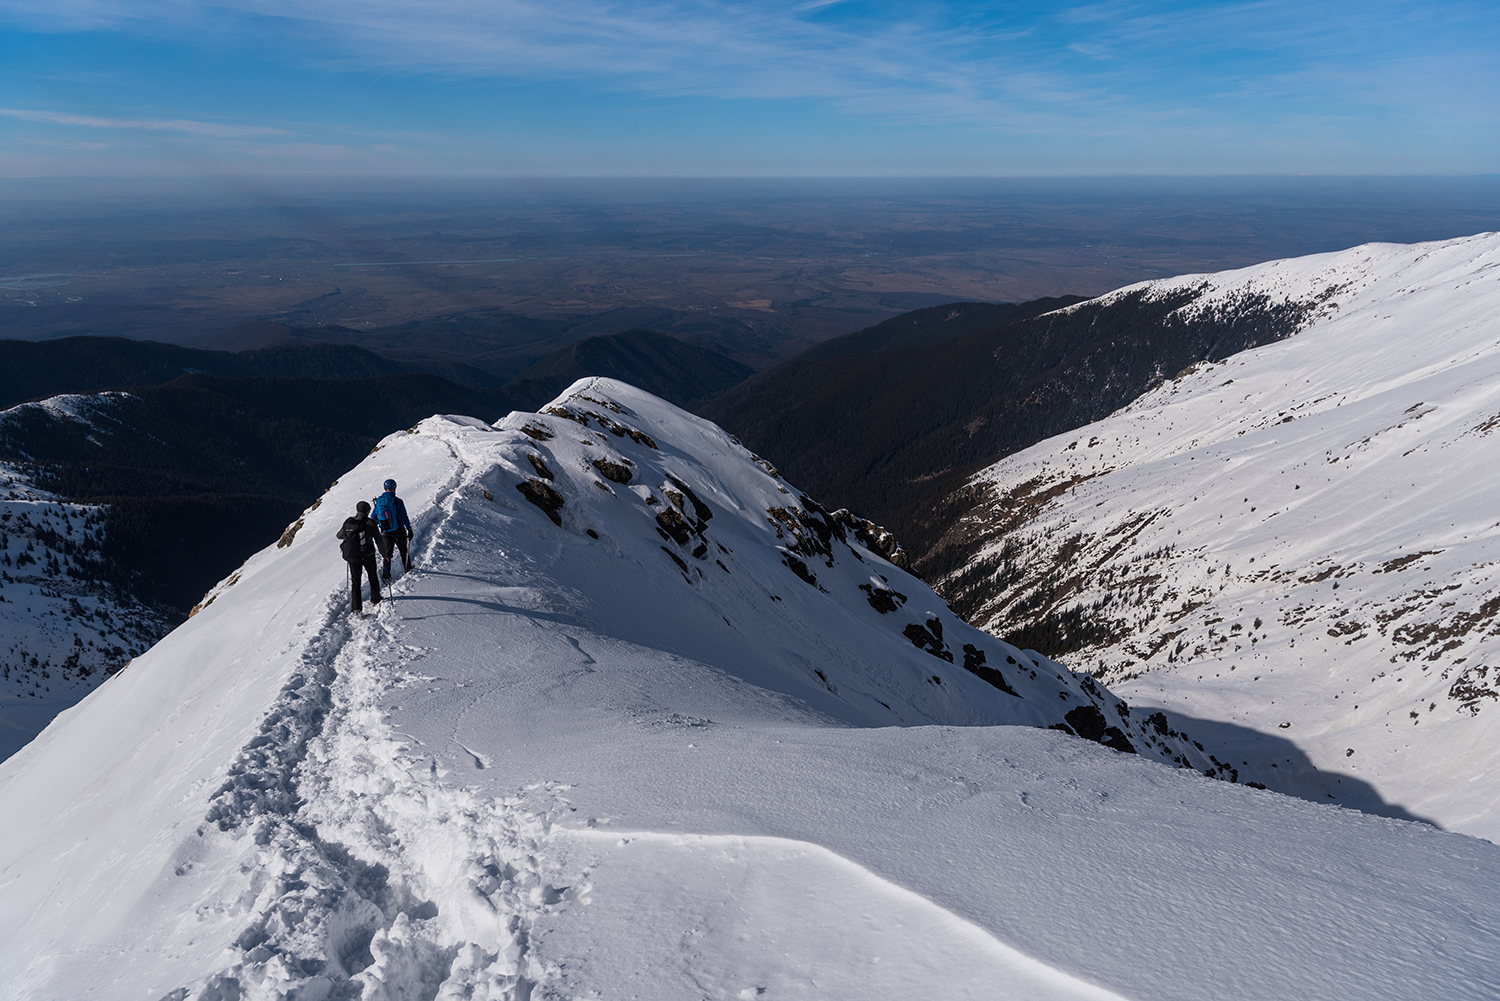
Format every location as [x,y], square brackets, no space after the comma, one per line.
[358,548]
[395,528]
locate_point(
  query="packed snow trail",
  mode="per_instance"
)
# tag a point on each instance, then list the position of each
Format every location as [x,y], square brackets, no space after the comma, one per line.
[572,756]
[384,880]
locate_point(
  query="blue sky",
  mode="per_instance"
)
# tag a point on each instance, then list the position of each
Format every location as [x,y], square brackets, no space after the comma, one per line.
[704,88]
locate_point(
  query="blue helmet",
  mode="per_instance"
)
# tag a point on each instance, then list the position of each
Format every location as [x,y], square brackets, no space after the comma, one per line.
[390,484]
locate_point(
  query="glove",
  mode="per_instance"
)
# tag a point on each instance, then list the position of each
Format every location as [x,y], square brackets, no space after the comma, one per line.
[408,535]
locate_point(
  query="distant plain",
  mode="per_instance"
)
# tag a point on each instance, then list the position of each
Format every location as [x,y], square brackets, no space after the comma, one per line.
[757,269]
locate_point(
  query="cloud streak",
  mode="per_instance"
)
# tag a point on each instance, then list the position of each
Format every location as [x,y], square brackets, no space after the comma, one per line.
[211,130]
[1011,64]
[1179,81]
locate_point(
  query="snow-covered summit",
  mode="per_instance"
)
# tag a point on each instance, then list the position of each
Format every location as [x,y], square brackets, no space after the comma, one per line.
[1296,548]
[1319,287]
[645,721]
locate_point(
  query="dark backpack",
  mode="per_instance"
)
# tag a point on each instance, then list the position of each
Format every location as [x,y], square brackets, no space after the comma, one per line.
[351,547]
[385,512]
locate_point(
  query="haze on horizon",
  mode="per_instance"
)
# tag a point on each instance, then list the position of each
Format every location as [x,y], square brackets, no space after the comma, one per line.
[247,89]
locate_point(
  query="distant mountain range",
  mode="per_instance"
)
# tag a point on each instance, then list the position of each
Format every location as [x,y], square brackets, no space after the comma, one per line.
[35,370]
[512,352]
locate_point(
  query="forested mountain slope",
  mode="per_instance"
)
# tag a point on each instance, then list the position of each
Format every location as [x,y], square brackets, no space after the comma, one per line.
[675,370]
[894,432]
[33,370]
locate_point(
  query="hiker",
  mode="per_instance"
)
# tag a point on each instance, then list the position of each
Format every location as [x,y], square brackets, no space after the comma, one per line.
[358,548]
[395,528]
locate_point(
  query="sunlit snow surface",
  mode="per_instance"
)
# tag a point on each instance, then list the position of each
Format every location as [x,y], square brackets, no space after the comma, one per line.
[1297,550]
[558,766]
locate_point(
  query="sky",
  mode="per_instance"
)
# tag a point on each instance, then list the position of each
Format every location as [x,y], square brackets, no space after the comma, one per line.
[246,88]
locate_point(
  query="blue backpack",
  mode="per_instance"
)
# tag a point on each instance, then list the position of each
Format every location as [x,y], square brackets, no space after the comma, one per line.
[385,512]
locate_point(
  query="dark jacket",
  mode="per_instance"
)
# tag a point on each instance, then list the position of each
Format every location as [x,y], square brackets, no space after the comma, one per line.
[358,532]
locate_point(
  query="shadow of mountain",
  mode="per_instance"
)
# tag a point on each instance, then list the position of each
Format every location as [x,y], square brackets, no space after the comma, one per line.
[1281,766]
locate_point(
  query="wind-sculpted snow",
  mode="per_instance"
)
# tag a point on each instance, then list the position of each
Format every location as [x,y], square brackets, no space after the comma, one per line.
[1295,550]
[644,721]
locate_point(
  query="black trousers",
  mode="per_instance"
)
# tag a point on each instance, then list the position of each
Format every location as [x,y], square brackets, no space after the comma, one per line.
[389,542]
[367,565]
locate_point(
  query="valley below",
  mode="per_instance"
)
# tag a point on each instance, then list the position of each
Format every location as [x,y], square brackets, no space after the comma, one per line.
[1189,640]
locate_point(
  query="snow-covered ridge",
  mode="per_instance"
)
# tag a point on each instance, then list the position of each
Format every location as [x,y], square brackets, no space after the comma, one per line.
[610,737]
[1321,285]
[1298,542]
[63,631]
[91,411]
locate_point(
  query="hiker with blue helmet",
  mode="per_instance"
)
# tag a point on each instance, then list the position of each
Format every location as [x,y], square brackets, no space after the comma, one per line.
[395,528]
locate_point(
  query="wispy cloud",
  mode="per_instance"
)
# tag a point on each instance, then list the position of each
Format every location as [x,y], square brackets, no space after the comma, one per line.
[1018,66]
[212,130]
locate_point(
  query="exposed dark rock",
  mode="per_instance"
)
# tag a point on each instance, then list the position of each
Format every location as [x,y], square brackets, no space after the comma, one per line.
[882,599]
[613,471]
[702,510]
[289,535]
[872,536]
[681,565]
[929,638]
[800,569]
[674,525]
[567,414]
[974,663]
[537,431]
[539,466]
[1088,722]
[544,497]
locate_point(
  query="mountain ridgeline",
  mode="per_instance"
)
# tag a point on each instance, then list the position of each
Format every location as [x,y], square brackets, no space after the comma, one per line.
[201,456]
[34,370]
[1299,541]
[892,420]
[628,649]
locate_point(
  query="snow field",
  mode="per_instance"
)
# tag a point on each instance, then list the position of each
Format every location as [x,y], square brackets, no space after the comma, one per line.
[1313,556]
[727,916]
[553,765]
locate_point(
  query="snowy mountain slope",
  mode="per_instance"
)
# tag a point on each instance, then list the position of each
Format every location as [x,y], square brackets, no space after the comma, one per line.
[63,630]
[553,765]
[1298,545]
